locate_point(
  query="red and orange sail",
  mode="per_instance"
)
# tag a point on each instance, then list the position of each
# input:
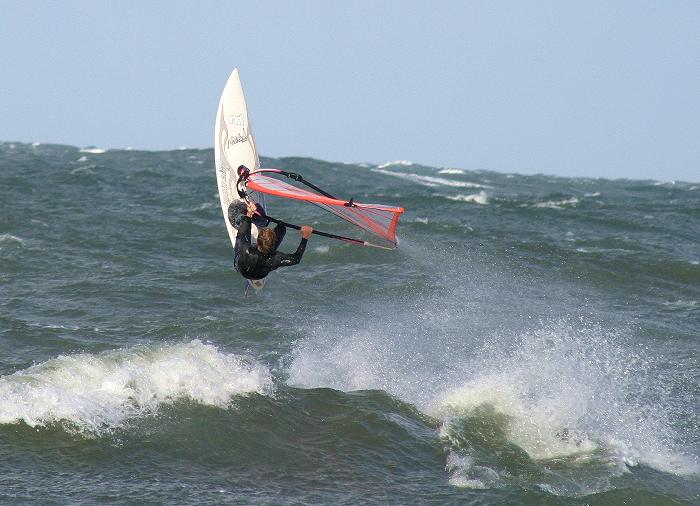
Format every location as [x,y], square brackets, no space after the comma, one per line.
[376,219]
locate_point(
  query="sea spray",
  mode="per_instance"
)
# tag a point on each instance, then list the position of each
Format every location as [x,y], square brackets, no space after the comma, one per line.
[565,391]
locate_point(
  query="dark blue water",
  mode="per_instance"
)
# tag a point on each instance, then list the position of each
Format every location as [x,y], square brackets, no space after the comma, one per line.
[534,339]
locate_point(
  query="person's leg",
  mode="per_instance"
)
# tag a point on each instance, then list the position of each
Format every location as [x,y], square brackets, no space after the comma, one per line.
[236,259]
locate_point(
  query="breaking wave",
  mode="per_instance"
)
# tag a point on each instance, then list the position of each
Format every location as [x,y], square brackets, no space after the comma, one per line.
[561,394]
[10,240]
[557,204]
[477,198]
[402,163]
[93,393]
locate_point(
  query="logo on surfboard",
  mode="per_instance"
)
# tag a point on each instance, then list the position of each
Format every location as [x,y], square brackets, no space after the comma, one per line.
[236,119]
[236,139]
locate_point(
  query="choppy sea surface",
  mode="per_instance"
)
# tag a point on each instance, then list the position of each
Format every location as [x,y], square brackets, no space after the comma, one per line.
[533,340]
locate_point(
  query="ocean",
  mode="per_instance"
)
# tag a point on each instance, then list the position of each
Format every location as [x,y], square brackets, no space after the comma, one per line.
[533,340]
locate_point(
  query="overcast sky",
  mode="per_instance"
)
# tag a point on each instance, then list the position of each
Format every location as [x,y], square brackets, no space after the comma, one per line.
[587,88]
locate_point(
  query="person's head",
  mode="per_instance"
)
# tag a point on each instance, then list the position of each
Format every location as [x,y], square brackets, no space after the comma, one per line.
[266,240]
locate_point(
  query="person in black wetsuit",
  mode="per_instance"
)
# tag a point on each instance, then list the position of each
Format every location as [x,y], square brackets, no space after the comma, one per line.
[257,261]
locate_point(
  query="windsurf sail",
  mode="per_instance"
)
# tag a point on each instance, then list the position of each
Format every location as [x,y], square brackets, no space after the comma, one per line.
[377,219]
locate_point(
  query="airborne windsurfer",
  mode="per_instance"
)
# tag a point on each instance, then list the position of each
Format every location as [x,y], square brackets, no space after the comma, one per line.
[257,261]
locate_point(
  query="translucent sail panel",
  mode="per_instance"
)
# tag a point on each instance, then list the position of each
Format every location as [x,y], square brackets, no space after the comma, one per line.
[377,219]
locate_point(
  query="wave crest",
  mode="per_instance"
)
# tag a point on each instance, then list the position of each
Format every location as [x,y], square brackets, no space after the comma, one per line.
[93,393]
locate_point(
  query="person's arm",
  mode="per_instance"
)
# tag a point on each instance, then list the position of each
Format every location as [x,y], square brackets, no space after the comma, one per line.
[244,229]
[286,259]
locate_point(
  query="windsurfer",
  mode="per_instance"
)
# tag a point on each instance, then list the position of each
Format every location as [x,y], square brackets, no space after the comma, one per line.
[257,261]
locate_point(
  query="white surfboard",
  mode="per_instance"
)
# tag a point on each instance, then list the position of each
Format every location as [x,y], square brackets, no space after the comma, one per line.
[234,146]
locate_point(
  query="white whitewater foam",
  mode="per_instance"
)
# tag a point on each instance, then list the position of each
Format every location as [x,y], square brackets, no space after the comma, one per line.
[465,474]
[557,204]
[322,249]
[451,171]
[604,250]
[568,393]
[533,428]
[562,391]
[83,159]
[404,163]
[93,393]
[594,194]
[10,240]
[87,169]
[478,198]
[206,205]
[683,304]
[94,151]
[35,144]
[63,327]
[429,180]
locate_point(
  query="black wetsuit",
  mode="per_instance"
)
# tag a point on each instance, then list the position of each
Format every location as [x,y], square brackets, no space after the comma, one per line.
[250,262]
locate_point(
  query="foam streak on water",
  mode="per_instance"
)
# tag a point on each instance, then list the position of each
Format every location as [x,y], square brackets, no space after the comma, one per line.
[478,198]
[430,180]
